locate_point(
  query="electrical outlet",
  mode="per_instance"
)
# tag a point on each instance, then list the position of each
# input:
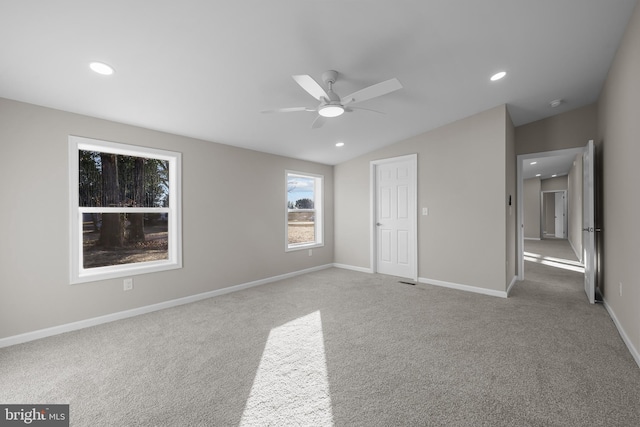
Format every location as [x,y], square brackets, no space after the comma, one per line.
[310,252]
[425,211]
[620,288]
[128,284]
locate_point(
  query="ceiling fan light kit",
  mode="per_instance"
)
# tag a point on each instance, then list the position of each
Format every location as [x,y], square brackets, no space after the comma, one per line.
[332,105]
[331,110]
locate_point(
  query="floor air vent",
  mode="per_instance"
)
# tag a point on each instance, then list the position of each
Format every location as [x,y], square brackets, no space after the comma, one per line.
[407,283]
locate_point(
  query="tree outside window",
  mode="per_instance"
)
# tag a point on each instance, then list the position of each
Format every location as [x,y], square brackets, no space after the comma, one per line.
[125,210]
[304,210]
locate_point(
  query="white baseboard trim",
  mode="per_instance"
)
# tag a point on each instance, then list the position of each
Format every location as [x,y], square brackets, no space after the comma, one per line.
[532,238]
[634,351]
[513,282]
[56,330]
[354,268]
[467,288]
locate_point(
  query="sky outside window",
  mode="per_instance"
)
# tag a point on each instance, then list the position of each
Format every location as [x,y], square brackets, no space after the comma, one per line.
[299,188]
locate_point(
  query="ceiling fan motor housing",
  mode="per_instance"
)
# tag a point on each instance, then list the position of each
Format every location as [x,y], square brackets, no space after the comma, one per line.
[330,76]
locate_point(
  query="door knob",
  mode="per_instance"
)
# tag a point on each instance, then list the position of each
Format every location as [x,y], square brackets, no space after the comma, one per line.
[378,224]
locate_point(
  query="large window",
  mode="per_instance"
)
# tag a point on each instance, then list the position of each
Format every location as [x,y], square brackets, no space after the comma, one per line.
[304,217]
[125,210]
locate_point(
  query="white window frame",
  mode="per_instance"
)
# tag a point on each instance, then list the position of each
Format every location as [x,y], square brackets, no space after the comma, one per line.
[318,207]
[79,274]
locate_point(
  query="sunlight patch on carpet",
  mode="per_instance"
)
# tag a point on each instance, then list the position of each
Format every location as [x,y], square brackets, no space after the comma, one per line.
[565,264]
[291,386]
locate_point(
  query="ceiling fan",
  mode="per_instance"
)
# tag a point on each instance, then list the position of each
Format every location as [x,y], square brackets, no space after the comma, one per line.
[332,105]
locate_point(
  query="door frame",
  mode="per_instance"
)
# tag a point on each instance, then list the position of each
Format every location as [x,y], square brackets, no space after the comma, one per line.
[373,236]
[520,200]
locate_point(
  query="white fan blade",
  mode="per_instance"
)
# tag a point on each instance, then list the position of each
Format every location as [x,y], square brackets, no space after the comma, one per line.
[289,110]
[318,122]
[311,86]
[372,91]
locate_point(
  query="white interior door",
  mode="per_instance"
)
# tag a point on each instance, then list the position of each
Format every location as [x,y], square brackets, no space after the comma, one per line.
[559,214]
[396,217]
[588,223]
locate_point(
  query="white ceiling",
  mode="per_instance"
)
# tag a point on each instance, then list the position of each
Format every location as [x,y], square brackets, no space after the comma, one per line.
[547,166]
[206,69]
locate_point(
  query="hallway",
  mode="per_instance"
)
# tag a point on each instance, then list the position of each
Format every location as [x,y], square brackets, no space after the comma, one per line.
[556,248]
[574,337]
[551,264]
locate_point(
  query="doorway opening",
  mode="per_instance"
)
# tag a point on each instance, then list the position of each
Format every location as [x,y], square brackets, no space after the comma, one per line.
[560,214]
[554,220]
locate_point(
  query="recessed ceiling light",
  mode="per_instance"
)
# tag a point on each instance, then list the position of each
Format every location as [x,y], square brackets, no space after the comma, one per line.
[537,174]
[339,144]
[553,176]
[102,68]
[533,163]
[498,76]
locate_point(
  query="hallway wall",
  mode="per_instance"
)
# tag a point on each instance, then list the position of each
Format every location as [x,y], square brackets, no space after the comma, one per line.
[531,208]
[554,184]
[618,130]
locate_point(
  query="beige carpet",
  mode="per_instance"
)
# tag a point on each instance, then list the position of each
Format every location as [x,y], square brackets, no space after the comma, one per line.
[344,348]
[555,248]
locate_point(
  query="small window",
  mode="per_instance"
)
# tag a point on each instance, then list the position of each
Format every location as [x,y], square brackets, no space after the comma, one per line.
[304,213]
[125,210]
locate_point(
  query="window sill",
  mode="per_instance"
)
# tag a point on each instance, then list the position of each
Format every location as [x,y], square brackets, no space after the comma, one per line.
[303,246]
[114,272]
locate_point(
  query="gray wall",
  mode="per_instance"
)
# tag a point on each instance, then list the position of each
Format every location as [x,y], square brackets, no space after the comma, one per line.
[619,130]
[554,184]
[462,179]
[567,130]
[233,220]
[531,208]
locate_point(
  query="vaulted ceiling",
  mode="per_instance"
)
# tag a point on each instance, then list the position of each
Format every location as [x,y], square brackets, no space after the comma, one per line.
[206,69]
